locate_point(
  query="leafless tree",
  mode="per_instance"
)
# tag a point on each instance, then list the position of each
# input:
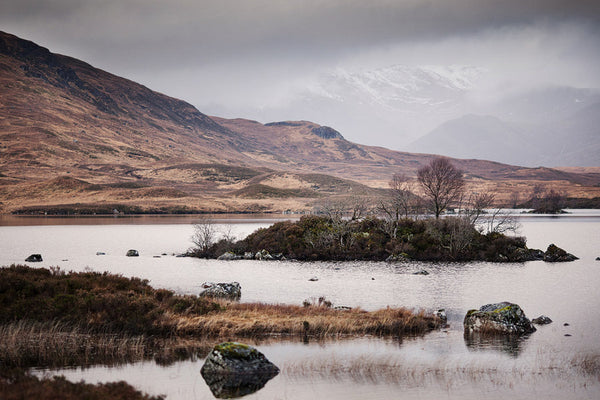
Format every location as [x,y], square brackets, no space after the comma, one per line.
[205,234]
[442,184]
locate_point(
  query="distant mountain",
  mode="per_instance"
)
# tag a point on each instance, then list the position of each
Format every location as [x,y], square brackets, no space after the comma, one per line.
[76,137]
[554,126]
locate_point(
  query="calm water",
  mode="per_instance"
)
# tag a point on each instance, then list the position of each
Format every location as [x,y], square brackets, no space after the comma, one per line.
[440,364]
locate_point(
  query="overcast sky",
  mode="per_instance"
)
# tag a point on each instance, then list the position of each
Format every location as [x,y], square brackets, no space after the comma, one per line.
[261,52]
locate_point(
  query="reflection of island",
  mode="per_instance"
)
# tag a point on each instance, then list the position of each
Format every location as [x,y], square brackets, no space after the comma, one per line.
[228,386]
[510,344]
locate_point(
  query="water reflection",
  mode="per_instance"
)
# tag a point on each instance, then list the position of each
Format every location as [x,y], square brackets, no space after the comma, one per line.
[511,345]
[236,385]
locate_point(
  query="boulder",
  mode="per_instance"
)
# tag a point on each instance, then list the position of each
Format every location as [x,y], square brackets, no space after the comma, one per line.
[441,314]
[229,291]
[541,320]
[597,258]
[228,256]
[263,255]
[498,318]
[132,253]
[421,272]
[236,369]
[100,253]
[402,257]
[556,254]
[248,255]
[34,258]
[313,279]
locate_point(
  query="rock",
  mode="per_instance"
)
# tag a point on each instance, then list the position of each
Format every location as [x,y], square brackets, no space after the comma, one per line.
[441,314]
[402,257]
[100,253]
[556,254]
[597,258]
[313,279]
[498,318]
[132,253]
[263,255]
[541,320]
[228,256]
[34,258]
[248,255]
[278,257]
[421,272]
[230,291]
[342,308]
[236,369]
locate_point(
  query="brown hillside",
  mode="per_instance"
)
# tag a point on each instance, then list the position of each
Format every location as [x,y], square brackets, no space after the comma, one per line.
[71,134]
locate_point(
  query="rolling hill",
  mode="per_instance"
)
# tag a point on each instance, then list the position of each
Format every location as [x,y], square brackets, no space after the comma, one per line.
[73,137]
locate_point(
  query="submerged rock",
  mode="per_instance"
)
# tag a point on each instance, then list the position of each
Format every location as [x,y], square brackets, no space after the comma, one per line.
[229,291]
[498,318]
[542,320]
[236,369]
[556,254]
[132,253]
[34,258]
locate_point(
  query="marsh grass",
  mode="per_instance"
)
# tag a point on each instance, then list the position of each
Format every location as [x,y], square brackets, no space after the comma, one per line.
[52,318]
[258,320]
[40,344]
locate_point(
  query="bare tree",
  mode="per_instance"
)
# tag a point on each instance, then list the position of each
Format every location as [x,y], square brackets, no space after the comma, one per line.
[205,234]
[442,184]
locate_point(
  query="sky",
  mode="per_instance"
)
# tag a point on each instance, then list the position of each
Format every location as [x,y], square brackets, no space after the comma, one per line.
[242,55]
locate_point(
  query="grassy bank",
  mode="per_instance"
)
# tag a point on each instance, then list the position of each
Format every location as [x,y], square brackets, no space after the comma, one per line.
[17,385]
[52,318]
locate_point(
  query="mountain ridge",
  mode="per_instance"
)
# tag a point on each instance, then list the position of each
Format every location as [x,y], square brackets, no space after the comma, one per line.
[124,143]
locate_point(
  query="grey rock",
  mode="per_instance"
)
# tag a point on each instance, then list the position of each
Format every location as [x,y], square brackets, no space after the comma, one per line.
[132,253]
[236,369]
[34,258]
[229,291]
[556,254]
[441,314]
[100,253]
[397,258]
[263,255]
[541,320]
[597,258]
[313,279]
[421,272]
[228,256]
[248,255]
[498,318]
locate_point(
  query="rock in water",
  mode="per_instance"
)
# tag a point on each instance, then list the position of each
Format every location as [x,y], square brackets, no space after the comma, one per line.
[556,254]
[541,320]
[498,318]
[132,253]
[230,291]
[236,369]
[34,258]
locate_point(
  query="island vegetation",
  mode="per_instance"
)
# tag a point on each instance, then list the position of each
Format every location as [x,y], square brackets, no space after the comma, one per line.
[395,229]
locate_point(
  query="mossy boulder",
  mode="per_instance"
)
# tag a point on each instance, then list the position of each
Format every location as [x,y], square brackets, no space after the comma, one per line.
[235,369]
[556,254]
[498,318]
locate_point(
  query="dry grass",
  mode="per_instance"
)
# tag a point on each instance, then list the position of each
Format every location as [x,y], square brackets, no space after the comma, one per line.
[25,344]
[257,319]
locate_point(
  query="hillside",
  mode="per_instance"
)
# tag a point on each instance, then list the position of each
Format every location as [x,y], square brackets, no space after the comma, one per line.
[76,137]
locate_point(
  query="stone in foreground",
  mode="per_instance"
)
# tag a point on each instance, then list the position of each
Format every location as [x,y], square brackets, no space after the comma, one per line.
[498,318]
[236,369]
[132,253]
[222,290]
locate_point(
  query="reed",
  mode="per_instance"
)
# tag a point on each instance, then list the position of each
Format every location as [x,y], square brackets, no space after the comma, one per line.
[258,319]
